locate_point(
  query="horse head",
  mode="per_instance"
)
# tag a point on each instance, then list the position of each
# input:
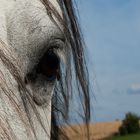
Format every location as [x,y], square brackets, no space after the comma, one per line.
[40,50]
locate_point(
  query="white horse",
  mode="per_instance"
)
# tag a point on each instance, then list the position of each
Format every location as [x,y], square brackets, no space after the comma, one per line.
[41,53]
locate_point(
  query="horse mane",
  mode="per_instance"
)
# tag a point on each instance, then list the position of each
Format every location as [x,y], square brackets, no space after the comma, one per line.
[75,70]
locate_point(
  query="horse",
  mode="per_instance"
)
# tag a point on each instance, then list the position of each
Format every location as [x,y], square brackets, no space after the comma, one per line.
[42,67]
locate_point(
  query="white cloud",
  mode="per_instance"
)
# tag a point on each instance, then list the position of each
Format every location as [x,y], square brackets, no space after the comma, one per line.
[135,86]
[134,89]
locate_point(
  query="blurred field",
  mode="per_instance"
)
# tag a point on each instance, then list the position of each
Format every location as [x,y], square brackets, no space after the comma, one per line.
[98,131]
[128,137]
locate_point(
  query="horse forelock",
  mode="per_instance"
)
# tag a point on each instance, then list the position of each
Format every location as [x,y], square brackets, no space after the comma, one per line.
[76,64]
[10,79]
[15,95]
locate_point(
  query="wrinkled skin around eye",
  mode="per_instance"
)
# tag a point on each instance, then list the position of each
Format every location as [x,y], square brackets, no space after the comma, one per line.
[43,77]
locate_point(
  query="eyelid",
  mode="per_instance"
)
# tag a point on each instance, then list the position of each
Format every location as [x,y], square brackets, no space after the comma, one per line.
[57,43]
[59,47]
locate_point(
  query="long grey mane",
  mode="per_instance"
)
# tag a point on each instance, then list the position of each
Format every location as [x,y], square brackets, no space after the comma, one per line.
[75,67]
[75,70]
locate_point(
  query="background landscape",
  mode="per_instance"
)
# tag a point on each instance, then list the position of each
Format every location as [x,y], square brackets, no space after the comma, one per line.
[111,29]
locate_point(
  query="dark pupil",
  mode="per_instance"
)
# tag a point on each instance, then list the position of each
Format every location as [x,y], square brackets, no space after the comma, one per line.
[49,64]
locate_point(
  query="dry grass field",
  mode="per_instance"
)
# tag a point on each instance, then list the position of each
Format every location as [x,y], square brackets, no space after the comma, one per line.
[98,131]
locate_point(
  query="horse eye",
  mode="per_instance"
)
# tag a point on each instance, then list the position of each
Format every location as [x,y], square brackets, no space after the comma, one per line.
[49,65]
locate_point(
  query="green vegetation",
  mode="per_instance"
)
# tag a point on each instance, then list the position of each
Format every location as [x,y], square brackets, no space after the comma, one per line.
[130,128]
[127,137]
[130,124]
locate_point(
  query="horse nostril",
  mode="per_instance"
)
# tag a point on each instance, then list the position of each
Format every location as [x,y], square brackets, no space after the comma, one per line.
[49,65]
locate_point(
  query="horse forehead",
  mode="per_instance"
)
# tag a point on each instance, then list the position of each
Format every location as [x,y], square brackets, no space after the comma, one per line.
[34,8]
[7,6]
[32,12]
[39,3]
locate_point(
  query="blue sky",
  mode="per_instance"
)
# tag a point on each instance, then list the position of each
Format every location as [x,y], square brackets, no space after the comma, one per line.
[112,33]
